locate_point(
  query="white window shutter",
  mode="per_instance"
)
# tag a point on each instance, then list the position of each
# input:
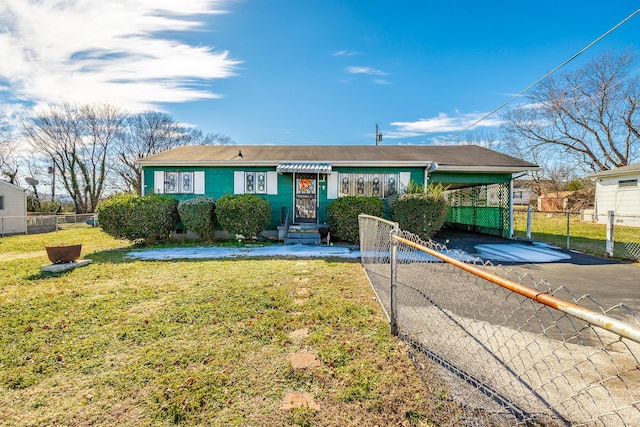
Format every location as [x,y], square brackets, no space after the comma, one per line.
[238,182]
[405,177]
[332,185]
[272,182]
[198,182]
[158,182]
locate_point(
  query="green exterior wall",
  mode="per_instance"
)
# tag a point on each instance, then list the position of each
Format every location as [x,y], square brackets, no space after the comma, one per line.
[469,179]
[219,182]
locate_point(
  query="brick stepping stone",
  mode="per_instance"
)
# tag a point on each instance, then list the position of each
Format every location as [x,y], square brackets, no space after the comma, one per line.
[303,359]
[298,400]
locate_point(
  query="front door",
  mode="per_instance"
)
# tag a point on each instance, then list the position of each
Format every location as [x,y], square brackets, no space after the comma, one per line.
[306,197]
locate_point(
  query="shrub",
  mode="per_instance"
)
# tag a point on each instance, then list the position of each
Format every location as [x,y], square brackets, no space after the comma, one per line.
[421,214]
[199,215]
[391,202]
[149,218]
[343,215]
[244,214]
[414,188]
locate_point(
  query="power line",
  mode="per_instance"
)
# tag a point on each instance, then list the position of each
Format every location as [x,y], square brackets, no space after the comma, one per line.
[517,95]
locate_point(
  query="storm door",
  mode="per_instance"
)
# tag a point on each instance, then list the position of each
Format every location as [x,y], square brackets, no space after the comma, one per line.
[306,198]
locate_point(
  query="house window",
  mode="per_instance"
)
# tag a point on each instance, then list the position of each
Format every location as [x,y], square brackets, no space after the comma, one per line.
[255,183]
[627,183]
[1,203]
[517,194]
[380,185]
[178,182]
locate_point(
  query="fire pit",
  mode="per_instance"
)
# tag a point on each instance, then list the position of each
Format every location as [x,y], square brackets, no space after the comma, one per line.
[63,254]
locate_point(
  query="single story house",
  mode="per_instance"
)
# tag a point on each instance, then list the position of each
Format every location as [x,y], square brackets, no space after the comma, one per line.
[13,209]
[618,190]
[301,181]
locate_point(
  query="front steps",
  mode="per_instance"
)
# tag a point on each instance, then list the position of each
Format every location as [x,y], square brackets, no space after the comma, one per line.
[303,234]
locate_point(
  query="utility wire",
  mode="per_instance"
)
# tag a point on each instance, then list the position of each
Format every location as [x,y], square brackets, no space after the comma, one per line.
[517,95]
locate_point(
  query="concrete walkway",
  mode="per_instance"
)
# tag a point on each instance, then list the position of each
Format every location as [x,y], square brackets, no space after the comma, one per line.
[271,251]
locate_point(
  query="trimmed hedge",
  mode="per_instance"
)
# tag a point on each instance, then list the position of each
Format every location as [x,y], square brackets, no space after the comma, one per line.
[244,214]
[131,217]
[199,215]
[421,214]
[343,215]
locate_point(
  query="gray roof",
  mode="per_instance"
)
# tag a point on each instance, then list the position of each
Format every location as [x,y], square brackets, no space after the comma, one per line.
[469,158]
[623,170]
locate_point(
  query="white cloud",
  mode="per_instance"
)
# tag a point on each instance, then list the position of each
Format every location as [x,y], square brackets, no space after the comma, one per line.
[381,81]
[439,124]
[366,70]
[347,53]
[81,51]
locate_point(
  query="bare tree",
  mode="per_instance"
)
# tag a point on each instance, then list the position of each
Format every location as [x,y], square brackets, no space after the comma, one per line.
[589,117]
[79,141]
[215,139]
[483,138]
[149,133]
[8,163]
[145,134]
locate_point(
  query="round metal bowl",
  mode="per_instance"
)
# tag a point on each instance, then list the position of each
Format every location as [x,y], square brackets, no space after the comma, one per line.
[63,254]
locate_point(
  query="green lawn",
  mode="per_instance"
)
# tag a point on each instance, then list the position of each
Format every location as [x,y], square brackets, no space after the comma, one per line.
[584,236]
[124,342]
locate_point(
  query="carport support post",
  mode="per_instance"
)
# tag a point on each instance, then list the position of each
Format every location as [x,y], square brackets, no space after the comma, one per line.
[529,213]
[609,241]
[394,273]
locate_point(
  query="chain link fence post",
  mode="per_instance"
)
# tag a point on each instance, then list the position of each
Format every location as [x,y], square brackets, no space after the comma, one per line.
[529,214]
[609,237]
[568,229]
[394,278]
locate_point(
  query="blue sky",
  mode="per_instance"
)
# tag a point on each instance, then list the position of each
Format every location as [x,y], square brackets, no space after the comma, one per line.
[299,71]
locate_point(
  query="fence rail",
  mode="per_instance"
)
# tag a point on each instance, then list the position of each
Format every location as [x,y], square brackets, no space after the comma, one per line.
[585,231]
[518,354]
[43,222]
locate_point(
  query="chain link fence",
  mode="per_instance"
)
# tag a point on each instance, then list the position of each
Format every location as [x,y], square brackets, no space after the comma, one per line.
[515,351]
[44,223]
[584,232]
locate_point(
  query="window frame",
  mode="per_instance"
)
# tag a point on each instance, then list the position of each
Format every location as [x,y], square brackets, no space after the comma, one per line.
[627,184]
[260,183]
[179,178]
[368,184]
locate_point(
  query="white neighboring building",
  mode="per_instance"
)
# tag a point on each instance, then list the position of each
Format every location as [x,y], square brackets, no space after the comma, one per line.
[13,209]
[523,196]
[618,190]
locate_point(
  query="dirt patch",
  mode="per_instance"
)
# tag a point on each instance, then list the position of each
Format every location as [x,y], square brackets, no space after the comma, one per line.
[298,334]
[298,400]
[303,359]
